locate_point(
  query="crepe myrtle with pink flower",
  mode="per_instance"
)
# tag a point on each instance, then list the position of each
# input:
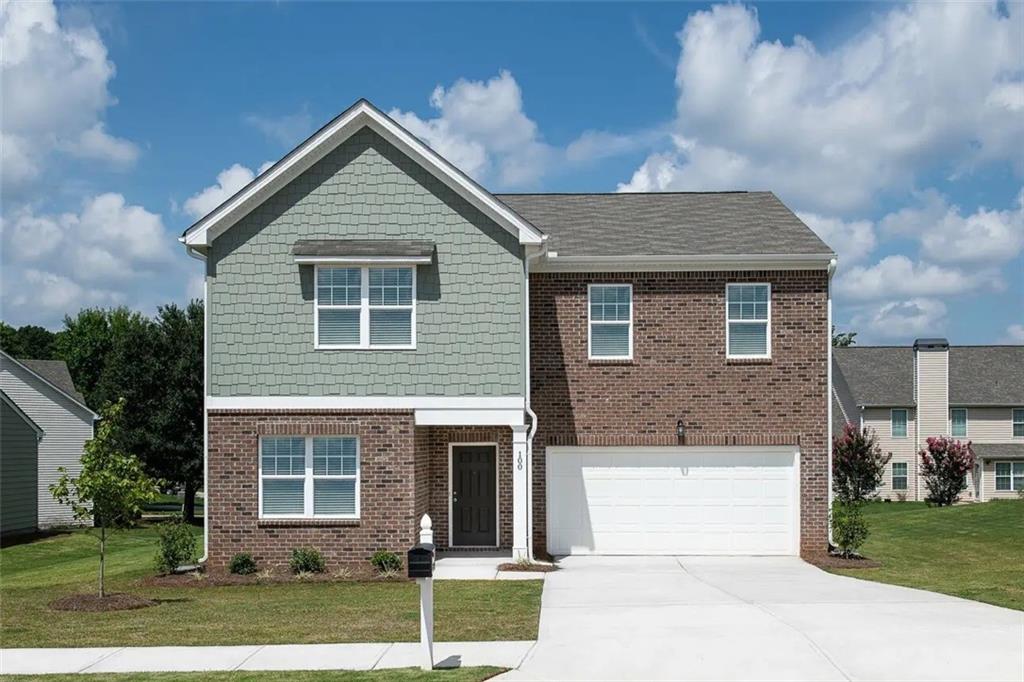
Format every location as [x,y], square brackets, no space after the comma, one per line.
[945,464]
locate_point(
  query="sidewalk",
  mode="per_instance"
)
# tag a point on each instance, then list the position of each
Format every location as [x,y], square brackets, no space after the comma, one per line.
[269,657]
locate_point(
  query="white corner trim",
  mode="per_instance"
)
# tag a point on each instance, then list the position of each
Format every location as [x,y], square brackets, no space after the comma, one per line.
[363,403]
[361,114]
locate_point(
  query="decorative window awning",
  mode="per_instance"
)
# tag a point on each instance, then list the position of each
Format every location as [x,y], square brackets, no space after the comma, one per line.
[396,251]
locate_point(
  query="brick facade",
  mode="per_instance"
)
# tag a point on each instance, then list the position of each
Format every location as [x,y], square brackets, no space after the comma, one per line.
[679,371]
[403,474]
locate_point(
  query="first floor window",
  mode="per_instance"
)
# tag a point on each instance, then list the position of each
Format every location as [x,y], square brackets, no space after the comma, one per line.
[1018,423]
[311,476]
[365,307]
[958,422]
[748,320]
[1009,475]
[899,476]
[611,321]
[898,424]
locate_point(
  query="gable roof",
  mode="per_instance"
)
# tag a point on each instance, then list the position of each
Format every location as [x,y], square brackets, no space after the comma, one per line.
[360,115]
[55,374]
[666,224]
[986,375]
[877,376]
[7,400]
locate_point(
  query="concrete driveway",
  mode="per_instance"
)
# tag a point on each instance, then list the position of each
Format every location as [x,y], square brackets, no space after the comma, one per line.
[703,618]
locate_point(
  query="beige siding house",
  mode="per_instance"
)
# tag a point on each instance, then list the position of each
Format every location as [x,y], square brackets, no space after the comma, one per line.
[906,395]
[43,391]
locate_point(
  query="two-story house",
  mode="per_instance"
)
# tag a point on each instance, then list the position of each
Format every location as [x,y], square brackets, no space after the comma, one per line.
[906,395]
[541,373]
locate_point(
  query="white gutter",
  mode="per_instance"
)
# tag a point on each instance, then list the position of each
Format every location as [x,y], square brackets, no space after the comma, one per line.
[199,255]
[828,429]
[691,262]
[529,410]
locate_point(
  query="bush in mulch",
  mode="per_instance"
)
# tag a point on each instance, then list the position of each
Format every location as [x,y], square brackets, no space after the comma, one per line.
[94,603]
[528,567]
[267,577]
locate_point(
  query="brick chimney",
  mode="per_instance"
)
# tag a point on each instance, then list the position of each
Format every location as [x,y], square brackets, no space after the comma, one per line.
[931,387]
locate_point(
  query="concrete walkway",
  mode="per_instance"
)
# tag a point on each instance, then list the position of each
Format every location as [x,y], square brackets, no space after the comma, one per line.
[741,618]
[269,657]
[478,566]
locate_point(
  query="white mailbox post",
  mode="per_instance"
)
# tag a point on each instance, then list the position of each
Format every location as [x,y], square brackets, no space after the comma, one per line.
[426,596]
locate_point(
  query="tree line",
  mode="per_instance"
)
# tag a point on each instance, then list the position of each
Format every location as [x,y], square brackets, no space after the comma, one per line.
[154,364]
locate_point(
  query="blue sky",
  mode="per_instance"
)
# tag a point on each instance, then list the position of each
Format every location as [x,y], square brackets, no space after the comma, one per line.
[895,131]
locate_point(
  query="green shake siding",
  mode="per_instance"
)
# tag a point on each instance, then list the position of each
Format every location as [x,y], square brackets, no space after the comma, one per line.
[468,307]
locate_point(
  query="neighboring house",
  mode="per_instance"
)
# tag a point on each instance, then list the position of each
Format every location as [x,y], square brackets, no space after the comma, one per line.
[906,395]
[39,397]
[564,373]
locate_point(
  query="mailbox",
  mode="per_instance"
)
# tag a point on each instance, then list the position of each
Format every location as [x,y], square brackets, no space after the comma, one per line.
[421,560]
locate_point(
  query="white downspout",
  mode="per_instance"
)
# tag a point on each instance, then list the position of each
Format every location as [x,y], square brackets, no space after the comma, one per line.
[529,410]
[828,430]
[198,255]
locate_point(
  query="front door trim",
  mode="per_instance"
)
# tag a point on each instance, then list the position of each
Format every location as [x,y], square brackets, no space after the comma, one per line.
[497,494]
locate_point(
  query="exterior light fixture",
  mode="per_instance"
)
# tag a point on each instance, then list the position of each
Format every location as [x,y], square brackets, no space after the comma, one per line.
[680,430]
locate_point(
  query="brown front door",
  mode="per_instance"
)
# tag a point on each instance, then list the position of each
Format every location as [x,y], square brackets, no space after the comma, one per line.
[474,497]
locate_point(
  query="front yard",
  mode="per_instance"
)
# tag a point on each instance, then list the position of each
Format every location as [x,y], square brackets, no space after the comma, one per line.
[36,573]
[974,551]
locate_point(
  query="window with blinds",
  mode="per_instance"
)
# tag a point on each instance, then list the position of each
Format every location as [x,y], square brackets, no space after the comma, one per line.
[748,320]
[611,321]
[365,307]
[306,477]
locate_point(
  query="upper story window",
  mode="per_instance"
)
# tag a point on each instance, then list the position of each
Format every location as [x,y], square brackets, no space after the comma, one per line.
[1018,423]
[958,422]
[365,307]
[611,321]
[898,423]
[748,321]
[307,477]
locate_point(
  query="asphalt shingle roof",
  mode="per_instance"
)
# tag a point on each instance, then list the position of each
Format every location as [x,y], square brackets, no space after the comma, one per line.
[667,224]
[998,450]
[986,375]
[364,247]
[878,375]
[57,373]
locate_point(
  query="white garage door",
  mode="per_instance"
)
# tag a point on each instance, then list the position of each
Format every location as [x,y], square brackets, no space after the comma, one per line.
[672,500]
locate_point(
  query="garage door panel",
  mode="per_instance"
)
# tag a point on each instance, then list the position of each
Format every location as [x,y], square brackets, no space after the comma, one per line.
[671,501]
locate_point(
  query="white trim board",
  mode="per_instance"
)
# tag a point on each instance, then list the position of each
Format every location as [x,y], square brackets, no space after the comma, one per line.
[364,403]
[360,115]
[682,263]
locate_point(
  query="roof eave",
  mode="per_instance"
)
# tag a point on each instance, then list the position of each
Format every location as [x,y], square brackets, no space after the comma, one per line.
[687,262]
[52,385]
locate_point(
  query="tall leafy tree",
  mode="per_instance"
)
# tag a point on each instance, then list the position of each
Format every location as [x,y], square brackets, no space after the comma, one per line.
[28,341]
[84,345]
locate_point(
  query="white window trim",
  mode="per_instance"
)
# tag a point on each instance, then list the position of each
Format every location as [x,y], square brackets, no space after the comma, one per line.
[1013,413]
[905,476]
[996,476]
[906,422]
[768,323]
[967,422]
[591,322]
[364,308]
[308,477]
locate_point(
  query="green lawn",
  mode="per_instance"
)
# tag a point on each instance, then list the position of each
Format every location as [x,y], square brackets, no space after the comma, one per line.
[400,675]
[975,551]
[33,574]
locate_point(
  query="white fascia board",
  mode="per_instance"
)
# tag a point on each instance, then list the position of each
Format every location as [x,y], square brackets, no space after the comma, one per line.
[362,114]
[683,263]
[53,386]
[469,417]
[363,403]
[363,260]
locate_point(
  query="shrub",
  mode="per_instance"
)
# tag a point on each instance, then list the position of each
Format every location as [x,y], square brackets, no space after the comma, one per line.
[242,564]
[849,530]
[386,563]
[177,546]
[945,464]
[306,560]
[858,465]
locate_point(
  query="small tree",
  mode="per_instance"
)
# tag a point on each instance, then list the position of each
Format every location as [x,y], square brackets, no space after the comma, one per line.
[945,464]
[849,530]
[112,486]
[858,465]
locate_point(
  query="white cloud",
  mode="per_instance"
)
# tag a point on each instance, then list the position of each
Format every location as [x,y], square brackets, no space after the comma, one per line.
[229,181]
[287,130]
[925,83]
[901,320]
[947,235]
[1015,333]
[482,129]
[851,240]
[896,276]
[50,294]
[55,80]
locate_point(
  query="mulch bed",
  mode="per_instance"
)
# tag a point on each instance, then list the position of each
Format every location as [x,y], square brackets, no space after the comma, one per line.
[835,561]
[94,603]
[528,568]
[229,579]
